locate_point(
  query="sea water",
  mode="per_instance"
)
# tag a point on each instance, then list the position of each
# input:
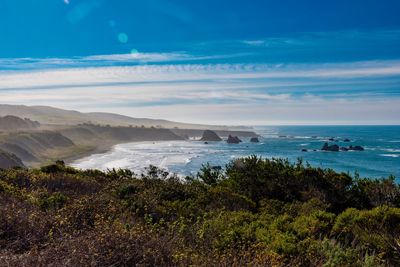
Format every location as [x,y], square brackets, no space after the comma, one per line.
[380,158]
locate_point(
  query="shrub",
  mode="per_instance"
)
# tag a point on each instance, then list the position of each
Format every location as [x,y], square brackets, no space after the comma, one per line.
[54,201]
[259,212]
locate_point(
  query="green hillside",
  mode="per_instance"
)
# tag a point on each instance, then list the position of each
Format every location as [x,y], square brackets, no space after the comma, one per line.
[258,212]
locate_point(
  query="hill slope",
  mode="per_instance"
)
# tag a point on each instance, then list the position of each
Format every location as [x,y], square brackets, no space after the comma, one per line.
[8,160]
[255,212]
[51,115]
[11,123]
[35,147]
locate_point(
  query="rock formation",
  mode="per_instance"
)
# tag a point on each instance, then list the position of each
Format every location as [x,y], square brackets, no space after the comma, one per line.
[254,140]
[336,148]
[233,140]
[356,148]
[333,148]
[209,135]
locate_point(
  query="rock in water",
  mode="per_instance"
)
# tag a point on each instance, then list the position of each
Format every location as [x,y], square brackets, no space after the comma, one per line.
[356,148]
[346,140]
[233,140]
[209,135]
[333,148]
[254,140]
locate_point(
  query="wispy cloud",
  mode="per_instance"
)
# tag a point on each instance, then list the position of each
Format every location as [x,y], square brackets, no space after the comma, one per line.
[238,78]
[242,73]
[132,59]
[284,92]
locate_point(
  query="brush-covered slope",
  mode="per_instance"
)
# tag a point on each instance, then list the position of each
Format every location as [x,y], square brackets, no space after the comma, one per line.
[256,212]
[12,123]
[50,115]
[35,147]
[8,160]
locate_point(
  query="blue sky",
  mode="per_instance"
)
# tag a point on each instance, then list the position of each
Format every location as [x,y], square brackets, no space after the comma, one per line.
[267,62]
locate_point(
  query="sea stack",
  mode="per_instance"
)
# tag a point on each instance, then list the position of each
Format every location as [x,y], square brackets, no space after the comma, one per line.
[356,148]
[254,140]
[233,140]
[333,148]
[209,135]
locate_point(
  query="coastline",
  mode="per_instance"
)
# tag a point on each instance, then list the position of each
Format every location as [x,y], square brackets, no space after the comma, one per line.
[185,156]
[107,156]
[38,147]
[101,145]
[102,149]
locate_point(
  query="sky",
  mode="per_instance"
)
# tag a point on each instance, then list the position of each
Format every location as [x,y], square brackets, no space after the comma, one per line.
[212,61]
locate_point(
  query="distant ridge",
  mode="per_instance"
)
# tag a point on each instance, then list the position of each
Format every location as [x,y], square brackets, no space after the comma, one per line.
[11,123]
[57,116]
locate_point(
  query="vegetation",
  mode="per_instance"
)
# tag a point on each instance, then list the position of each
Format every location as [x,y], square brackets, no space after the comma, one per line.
[258,212]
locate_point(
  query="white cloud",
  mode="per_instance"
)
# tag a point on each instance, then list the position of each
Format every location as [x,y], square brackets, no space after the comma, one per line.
[213,93]
[254,42]
[190,72]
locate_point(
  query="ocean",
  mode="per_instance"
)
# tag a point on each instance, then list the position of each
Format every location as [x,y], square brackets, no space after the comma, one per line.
[380,158]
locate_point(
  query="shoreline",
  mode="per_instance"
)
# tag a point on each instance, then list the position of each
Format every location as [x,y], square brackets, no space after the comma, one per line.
[95,151]
[89,141]
[111,148]
[39,147]
[219,153]
[103,144]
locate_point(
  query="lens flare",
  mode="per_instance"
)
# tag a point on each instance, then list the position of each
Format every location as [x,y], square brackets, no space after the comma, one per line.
[123,37]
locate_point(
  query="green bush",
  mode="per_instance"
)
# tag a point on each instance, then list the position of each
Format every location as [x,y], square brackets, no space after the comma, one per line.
[259,212]
[54,201]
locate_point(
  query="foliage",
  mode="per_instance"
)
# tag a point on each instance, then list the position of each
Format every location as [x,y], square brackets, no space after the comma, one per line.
[258,212]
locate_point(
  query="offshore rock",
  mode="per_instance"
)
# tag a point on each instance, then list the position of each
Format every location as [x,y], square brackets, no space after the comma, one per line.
[333,148]
[233,140]
[254,140]
[209,135]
